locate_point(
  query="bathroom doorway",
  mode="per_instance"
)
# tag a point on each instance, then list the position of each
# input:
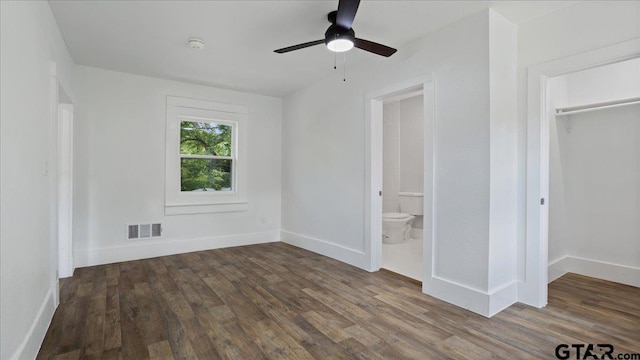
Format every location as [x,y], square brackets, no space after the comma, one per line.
[403,183]
[408,247]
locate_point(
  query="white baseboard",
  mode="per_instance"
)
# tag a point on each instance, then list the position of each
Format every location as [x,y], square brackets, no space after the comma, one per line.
[30,346]
[598,269]
[557,268]
[149,249]
[502,297]
[480,302]
[350,256]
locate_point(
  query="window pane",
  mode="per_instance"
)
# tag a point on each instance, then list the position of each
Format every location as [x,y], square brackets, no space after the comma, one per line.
[205,175]
[203,138]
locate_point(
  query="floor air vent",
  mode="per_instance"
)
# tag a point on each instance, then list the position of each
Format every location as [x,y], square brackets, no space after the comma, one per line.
[143,231]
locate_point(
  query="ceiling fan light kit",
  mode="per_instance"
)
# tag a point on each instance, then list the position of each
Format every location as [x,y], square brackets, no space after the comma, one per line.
[340,37]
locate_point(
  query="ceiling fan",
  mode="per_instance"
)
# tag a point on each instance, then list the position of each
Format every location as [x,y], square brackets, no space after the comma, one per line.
[340,37]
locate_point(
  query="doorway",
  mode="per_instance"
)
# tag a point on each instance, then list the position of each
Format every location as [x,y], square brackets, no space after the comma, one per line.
[402,183]
[535,249]
[424,89]
[594,173]
[65,187]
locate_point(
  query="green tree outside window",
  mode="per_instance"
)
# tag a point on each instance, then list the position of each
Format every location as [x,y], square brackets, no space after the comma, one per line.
[206,152]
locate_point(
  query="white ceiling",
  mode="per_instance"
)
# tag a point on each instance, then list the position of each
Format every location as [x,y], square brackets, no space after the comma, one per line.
[150,37]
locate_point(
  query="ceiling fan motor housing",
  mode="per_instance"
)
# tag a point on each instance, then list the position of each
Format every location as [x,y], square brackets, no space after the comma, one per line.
[335,32]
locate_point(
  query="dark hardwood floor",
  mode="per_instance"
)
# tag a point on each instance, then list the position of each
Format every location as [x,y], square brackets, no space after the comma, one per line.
[276,301]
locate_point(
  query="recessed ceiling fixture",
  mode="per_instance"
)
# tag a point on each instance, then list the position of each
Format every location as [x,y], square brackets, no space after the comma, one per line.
[340,37]
[196,44]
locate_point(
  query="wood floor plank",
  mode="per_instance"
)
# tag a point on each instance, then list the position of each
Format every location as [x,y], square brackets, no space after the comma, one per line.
[276,301]
[239,344]
[275,342]
[160,351]
[132,336]
[73,355]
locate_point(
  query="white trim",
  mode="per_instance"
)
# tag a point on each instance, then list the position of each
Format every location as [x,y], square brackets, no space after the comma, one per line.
[533,290]
[30,346]
[205,104]
[484,303]
[151,248]
[347,255]
[184,109]
[623,274]
[502,297]
[403,96]
[430,186]
[460,295]
[373,183]
[212,157]
[54,94]
[205,209]
[557,268]
[65,191]
[61,82]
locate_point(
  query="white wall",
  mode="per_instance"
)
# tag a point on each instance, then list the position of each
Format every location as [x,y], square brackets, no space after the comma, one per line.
[324,146]
[30,42]
[324,159]
[411,144]
[390,157]
[403,152]
[585,26]
[604,83]
[122,154]
[597,209]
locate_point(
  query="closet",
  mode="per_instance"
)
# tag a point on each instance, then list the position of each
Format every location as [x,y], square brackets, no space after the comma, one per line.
[594,174]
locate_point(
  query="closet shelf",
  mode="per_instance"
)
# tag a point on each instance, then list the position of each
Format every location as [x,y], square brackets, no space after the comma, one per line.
[597,106]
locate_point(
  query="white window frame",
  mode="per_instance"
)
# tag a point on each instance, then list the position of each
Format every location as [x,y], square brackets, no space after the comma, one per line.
[179,202]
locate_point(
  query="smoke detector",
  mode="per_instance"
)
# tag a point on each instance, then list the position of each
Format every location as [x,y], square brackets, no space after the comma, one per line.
[196,44]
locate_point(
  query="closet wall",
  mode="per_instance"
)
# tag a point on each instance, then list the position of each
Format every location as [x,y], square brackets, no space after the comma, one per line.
[594,202]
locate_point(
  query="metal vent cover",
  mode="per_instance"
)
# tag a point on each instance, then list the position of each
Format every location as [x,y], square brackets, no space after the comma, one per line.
[145,230]
[156,230]
[132,232]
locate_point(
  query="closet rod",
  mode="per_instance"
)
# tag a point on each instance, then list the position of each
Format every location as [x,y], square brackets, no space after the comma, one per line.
[597,106]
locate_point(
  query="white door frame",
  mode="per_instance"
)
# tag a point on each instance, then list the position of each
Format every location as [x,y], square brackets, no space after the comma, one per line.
[373,187]
[534,288]
[65,190]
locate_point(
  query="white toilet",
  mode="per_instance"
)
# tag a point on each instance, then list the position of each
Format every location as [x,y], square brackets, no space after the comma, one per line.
[396,227]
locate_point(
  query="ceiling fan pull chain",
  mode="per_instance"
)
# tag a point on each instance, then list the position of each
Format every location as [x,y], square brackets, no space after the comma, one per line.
[335,56]
[344,67]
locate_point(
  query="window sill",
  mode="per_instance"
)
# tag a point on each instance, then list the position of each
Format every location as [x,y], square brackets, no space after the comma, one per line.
[205,208]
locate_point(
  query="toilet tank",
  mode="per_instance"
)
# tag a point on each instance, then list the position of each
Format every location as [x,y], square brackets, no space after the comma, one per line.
[411,203]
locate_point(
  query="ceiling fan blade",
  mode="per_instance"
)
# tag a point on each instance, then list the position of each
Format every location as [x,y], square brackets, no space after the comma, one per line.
[375,48]
[299,46]
[346,12]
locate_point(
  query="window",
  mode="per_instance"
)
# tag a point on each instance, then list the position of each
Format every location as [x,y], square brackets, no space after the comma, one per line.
[205,170]
[206,156]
